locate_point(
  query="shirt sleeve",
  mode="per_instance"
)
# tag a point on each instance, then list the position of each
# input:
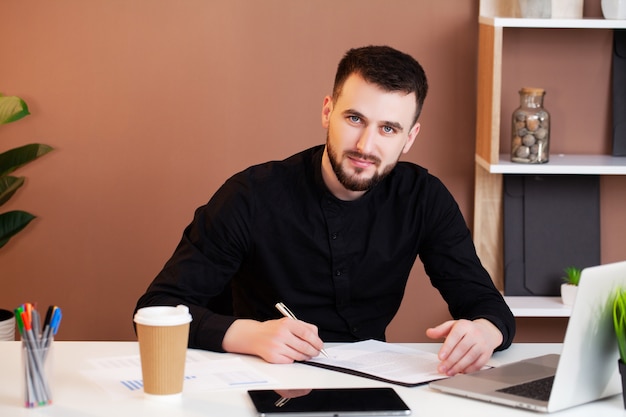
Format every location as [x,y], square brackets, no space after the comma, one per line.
[199,272]
[451,262]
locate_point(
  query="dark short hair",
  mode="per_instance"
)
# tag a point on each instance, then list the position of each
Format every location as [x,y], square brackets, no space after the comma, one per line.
[386,67]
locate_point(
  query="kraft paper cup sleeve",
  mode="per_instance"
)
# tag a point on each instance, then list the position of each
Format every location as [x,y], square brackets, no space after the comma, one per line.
[163,334]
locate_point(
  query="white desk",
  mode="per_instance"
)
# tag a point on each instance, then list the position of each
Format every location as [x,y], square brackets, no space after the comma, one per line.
[75,395]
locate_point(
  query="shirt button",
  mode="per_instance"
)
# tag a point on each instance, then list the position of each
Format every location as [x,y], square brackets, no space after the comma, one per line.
[333,236]
[338,272]
[355,329]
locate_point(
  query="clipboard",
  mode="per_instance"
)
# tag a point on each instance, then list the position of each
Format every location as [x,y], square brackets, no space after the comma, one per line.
[381,361]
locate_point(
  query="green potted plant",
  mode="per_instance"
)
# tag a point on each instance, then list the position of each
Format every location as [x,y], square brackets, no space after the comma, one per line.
[12,222]
[570,284]
[619,323]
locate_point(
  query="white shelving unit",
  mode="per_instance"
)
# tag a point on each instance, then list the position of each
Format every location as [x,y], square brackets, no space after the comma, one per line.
[538,306]
[491,164]
[561,164]
[514,22]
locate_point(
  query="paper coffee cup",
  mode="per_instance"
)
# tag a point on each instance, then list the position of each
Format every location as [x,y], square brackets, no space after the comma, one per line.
[163,334]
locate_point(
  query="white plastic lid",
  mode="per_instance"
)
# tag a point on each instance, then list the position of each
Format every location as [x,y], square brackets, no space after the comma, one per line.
[163,316]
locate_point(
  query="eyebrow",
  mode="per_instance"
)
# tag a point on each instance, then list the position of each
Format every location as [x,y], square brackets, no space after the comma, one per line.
[395,125]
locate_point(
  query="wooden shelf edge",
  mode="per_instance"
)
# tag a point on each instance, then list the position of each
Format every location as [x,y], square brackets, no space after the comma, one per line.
[483,164]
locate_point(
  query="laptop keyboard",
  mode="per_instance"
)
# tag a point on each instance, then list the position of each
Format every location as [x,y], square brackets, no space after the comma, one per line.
[537,390]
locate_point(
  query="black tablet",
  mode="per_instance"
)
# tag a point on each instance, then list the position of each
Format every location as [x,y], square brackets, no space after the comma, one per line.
[328,402]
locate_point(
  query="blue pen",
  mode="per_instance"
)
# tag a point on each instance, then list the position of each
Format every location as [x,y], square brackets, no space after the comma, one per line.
[56,320]
[52,327]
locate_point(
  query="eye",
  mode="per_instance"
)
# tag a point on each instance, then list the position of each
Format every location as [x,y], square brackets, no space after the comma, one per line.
[354,119]
[388,130]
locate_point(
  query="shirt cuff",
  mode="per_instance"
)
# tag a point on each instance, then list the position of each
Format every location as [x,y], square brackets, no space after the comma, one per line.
[208,332]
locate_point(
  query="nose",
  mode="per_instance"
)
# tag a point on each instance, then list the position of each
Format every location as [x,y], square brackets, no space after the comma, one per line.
[366,140]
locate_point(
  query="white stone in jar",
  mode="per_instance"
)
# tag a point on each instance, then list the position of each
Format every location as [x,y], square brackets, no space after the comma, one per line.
[522,152]
[541,133]
[528,140]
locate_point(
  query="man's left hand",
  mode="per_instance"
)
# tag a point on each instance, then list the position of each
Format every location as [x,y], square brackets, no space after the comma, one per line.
[468,344]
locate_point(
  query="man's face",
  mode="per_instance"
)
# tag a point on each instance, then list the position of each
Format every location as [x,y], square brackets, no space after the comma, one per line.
[368,129]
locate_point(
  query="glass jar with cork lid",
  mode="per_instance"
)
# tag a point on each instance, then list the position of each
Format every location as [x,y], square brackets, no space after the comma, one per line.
[531,128]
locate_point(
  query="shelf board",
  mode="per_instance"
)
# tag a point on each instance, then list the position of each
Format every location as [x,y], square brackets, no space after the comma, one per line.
[526,306]
[560,164]
[514,22]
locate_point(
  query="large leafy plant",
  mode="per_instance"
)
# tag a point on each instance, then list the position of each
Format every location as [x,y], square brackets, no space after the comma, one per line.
[12,222]
[619,321]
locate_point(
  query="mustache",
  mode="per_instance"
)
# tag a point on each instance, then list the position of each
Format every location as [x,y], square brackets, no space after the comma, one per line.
[365,157]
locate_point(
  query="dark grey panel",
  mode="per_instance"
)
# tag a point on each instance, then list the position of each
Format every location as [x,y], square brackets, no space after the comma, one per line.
[550,222]
[619,92]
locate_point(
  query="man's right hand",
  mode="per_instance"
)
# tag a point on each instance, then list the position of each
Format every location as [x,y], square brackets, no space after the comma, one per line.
[277,341]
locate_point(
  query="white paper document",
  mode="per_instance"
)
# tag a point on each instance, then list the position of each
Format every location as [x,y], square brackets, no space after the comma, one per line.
[120,376]
[383,361]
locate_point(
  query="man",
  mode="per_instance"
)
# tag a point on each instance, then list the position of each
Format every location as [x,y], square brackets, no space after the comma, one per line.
[333,232]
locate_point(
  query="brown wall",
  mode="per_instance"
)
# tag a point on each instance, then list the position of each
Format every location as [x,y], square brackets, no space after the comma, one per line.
[152,104]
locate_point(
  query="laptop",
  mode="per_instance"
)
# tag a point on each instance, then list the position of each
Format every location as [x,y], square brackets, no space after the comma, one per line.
[585,371]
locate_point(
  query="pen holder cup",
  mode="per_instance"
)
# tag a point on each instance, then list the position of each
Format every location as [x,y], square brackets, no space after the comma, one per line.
[36,362]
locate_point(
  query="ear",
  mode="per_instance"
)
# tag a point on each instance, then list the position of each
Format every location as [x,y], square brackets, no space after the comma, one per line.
[412,135]
[327,108]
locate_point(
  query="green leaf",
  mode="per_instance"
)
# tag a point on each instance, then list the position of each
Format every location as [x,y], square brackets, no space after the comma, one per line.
[572,275]
[8,187]
[11,223]
[619,321]
[17,157]
[12,108]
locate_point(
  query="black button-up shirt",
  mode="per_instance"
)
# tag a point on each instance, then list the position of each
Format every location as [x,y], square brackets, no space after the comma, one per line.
[275,233]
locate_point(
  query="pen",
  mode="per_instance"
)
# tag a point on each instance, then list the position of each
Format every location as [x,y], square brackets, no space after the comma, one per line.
[281,401]
[53,319]
[35,365]
[287,313]
[36,340]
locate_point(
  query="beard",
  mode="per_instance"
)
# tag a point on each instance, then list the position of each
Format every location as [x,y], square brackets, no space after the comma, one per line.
[355,182]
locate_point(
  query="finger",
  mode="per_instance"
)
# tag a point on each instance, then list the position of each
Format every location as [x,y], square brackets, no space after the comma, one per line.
[283,352]
[455,331]
[467,350]
[478,364]
[312,337]
[277,342]
[440,331]
[460,359]
[304,339]
[474,359]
